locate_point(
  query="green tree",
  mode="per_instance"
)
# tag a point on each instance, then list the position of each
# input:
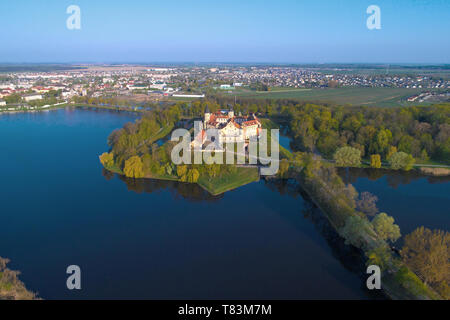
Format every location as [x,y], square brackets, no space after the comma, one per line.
[13,98]
[192,176]
[168,169]
[134,168]
[107,159]
[283,170]
[181,170]
[146,163]
[401,160]
[354,231]
[427,253]
[424,155]
[380,256]
[382,140]
[375,161]
[385,228]
[392,150]
[347,157]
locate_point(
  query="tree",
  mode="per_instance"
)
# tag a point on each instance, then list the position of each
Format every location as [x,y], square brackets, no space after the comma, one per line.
[134,167]
[424,155]
[168,169]
[349,194]
[367,203]
[347,157]
[283,169]
[354,230]
[181,170]
[146,163]
[380,256]
[13,98]
[192,176]
[213,170]
[427,253]
[406,144]
[107,159]
[382,140]
[392,150]
[401,160]
[385,228]
[375,161]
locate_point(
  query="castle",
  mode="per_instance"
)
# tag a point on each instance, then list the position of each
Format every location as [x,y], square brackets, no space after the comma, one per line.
[227,127]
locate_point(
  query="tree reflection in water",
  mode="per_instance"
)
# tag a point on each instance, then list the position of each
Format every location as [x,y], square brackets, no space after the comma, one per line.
[351,258]
[394,178]
[179,190]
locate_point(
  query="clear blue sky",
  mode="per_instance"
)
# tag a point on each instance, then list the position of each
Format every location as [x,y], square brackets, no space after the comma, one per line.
[298,31]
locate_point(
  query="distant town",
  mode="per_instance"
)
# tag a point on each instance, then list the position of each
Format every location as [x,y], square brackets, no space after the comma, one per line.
[43,89]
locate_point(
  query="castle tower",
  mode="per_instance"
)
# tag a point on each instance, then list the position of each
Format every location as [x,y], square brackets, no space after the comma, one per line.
[231,113]
[207,115]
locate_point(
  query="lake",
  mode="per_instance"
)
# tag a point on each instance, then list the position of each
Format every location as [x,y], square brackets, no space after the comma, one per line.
[150,239]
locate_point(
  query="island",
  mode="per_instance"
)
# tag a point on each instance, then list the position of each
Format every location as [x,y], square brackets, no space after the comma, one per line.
[143,150]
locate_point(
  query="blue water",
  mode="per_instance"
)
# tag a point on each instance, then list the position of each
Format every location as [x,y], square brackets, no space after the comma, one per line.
[153,239]
[413,200]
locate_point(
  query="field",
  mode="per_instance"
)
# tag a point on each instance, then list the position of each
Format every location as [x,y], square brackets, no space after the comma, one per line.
[382,97]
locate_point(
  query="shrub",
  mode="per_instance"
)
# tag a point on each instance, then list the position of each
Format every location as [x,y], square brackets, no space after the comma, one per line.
[107,159]
[134,167]
[375,161]
[348,157]
[401,160]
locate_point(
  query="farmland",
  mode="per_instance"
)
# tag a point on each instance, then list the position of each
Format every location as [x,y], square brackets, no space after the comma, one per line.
[382,97]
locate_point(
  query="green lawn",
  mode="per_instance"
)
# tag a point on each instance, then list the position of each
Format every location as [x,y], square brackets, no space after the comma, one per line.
[220,185]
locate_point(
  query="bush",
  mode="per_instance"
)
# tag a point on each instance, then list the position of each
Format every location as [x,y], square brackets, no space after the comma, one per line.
[354,231]
[375,161]
[107,159]
[401,160]
[348,157]
[134,168]
[385,228]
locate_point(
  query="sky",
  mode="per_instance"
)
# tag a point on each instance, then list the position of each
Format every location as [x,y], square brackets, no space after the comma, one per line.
[246,31]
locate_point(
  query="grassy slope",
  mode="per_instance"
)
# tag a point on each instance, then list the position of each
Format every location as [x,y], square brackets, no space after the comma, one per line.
[229,182]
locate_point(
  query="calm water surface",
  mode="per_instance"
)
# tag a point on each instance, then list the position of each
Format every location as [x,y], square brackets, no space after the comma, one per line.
[154,239]
[412,199]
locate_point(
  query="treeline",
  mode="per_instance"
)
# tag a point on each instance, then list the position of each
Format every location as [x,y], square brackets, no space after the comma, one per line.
[422,132]
[139,139]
